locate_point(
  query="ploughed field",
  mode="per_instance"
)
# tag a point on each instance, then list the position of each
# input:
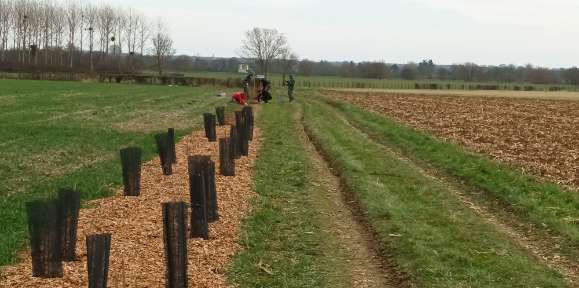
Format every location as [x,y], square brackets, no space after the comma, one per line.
[537,135]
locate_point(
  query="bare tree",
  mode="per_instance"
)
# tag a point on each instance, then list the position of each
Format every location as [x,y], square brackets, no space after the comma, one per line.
[46,23]
[263,46]
[5,25]
[105,26]
[35,37]
[21,25]
[91,21]
[144,32]
[59,26]
[82,11]
[120,23]
[73,18]
[162,47]
[130,31]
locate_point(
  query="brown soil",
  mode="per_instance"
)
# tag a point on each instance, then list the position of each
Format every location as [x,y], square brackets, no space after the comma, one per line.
[137,254]
[540,136]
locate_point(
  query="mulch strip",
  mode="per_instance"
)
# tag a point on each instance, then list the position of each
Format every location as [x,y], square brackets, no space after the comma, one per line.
[137,252]
[539,136]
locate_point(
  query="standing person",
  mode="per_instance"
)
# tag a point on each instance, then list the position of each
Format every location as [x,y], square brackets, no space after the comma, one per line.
[246,82]
[291,83]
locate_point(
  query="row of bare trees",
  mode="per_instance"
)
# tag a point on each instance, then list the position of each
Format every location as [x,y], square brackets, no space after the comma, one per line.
[74,36]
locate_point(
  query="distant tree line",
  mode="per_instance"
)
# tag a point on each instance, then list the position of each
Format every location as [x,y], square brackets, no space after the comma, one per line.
[427,69]
[37,35]
[423,70]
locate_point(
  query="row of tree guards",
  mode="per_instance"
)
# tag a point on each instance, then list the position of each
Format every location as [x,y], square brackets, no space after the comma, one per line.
[53,222]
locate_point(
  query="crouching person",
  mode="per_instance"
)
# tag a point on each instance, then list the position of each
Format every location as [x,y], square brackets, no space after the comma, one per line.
[264,94]
[239,97]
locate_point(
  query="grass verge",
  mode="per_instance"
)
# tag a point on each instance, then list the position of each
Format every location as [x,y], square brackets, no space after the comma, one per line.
[432,236]
[285,243]
[547,206]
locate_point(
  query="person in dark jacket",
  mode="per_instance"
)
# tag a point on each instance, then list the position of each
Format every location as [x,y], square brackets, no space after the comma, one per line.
[264,94]
[291,83]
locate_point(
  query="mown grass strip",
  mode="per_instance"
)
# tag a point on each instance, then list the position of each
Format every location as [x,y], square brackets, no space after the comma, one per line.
[546,205]
[283,243]
[431,235]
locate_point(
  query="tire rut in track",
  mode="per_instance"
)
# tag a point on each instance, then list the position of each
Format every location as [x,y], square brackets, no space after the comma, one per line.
[365,255]
[538,246]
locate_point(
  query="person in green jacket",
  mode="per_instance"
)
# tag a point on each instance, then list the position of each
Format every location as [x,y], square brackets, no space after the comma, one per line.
[291,83]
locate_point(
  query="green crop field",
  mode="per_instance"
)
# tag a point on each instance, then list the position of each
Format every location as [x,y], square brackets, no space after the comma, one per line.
[55,134]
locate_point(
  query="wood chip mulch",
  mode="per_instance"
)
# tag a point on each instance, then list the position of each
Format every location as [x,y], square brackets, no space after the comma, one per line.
[137,252]
[539,136]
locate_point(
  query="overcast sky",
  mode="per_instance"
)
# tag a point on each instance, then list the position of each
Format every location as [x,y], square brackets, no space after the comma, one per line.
[541,32]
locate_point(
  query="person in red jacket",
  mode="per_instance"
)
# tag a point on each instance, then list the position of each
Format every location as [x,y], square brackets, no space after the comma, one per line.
[239,97]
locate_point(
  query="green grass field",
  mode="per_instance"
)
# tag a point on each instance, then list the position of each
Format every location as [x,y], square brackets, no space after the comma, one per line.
[55,134]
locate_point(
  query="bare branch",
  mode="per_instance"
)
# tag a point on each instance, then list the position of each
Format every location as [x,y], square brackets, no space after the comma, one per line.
[162,47]
[263,46]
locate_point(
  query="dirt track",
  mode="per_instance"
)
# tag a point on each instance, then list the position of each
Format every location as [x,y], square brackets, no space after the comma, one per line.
[357,240]
[137,252]
[538,135]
